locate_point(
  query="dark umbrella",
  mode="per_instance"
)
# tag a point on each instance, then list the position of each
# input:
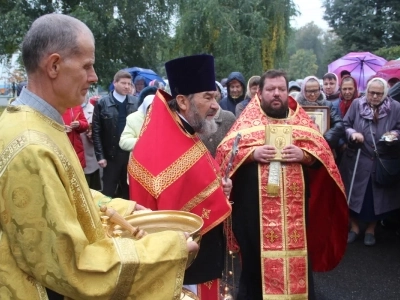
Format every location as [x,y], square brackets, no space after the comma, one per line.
[361,65]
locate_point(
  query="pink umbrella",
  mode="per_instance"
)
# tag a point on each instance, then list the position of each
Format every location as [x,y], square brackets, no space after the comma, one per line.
[361,65]
[390,70]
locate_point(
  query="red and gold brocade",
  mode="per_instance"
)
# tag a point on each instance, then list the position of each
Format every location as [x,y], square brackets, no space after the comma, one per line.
[285,241]
[172,169]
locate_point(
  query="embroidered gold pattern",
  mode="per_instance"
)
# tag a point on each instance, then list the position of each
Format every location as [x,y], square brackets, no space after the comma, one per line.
[206,213]
[155,185]
[208,284]
[92,231]
[295,236]
[294,188]
[181,274]
[204,194]
[129,264]
[11,150]
[271,235]
[146,121]
[31,137]
[5,216]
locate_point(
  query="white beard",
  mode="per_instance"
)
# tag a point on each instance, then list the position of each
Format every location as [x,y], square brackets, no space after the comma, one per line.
[209,127]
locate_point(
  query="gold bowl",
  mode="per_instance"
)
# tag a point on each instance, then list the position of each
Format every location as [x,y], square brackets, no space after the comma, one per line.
[161,220]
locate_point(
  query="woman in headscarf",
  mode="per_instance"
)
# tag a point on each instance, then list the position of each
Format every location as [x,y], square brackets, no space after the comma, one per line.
[370,118]
[252,88]
[134,123]
[330,86]
[348,92]
[311,95]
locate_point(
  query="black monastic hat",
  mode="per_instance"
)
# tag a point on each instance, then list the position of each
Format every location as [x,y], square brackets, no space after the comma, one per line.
[191,74]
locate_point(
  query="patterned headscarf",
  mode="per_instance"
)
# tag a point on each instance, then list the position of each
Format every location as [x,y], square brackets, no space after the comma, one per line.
[382,109]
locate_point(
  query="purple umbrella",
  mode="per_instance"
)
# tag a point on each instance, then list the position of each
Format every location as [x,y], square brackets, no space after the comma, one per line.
[361,65]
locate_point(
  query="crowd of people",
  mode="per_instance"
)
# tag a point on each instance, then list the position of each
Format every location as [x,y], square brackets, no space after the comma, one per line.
[267,178]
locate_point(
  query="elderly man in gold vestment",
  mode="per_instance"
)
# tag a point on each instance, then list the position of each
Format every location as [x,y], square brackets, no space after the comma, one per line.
[52,243]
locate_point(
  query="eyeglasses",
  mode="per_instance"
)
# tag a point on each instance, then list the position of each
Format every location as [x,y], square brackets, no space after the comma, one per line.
[312,91]
[375,94]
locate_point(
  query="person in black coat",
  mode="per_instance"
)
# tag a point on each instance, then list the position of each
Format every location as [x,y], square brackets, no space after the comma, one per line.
[236,89]
[109,120]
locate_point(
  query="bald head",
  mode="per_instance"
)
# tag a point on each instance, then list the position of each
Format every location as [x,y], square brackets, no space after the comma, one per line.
[52,33]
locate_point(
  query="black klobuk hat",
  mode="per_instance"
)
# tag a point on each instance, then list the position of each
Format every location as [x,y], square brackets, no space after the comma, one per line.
[191,74]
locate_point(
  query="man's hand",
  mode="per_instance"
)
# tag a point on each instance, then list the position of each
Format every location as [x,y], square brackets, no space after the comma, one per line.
[264,154]
[74,124]
[227,186]
[357,137]
[141,207]
[191,245]
[292,153]
[102,163]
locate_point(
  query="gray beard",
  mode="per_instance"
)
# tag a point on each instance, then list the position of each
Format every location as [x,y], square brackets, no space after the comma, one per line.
[209,127]
[199,125]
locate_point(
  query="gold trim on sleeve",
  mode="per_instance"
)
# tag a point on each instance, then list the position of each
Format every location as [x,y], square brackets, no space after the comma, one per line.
[129,264]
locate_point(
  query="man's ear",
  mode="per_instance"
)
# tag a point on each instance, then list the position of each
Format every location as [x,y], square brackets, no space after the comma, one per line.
[183,103]
[52,65]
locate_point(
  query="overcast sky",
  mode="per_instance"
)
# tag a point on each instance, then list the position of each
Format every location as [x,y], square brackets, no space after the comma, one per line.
[311,10]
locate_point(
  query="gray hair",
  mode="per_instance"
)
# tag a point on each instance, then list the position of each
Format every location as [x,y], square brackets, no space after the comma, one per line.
[173,104]
[52,33]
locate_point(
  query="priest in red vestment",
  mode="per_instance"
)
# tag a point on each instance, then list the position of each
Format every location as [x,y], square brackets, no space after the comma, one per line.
[170,167]
[290,213]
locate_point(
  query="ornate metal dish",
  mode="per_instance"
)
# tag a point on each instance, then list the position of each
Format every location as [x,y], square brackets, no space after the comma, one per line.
[161,220]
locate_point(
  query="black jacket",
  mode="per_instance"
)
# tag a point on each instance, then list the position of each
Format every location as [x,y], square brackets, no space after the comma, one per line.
[228,103]
[105,131]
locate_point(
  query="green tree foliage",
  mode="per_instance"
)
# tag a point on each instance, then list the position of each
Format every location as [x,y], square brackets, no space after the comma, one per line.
[249,36]
[303,63]
[364,25]
[127,33]
[333,49]
[309,37]
[244,35]
[390,53]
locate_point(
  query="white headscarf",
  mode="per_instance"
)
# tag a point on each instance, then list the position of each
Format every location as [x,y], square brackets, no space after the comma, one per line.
[384,83]
[146,102]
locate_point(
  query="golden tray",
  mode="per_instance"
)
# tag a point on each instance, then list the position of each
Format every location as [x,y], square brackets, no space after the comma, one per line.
[161,220]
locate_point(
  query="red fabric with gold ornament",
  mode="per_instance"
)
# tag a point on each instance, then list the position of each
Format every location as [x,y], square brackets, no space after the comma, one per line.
[172,169]
[282,218]
[209,290]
